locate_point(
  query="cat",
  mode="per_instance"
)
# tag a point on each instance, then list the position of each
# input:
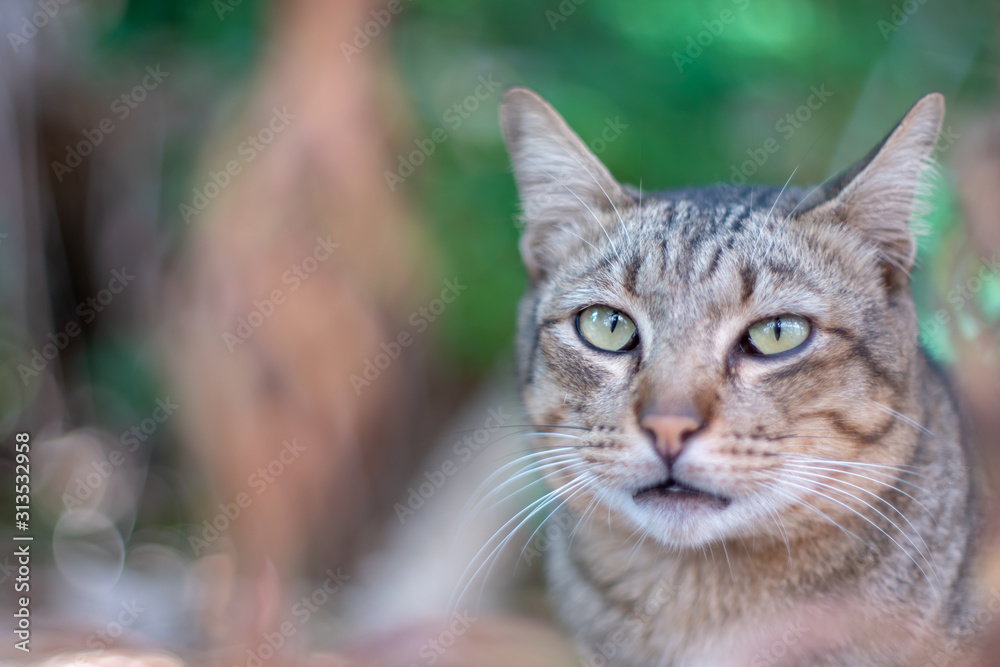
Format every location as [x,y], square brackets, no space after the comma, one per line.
[763,465]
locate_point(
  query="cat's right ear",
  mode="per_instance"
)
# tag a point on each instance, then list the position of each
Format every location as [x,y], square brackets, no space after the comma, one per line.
[883,195]
[566,192]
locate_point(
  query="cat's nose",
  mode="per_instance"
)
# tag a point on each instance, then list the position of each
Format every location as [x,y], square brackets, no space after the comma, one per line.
[670,432]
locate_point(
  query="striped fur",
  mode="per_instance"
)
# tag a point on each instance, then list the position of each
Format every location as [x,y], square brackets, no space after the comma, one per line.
[849,503]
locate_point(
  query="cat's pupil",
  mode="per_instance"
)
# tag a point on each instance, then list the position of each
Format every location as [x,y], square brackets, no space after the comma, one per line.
[614,322]
[777,328]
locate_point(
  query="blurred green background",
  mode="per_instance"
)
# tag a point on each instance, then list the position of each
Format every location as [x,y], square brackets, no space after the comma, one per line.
[693,85]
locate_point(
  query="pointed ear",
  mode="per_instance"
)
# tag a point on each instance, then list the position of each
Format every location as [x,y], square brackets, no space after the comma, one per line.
[566,193]
[882,195]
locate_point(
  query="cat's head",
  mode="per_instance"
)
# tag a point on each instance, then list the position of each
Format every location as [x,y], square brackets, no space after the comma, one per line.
[698,347]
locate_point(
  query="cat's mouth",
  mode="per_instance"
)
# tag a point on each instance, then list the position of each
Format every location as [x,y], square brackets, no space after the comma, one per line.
[670,490]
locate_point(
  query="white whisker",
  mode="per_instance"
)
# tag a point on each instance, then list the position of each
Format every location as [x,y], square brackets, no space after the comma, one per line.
[729,564]
[893,507]
[529,509]
[903,418]
[753,252]
[596,218]
[781,530]
[535,507]
[785,480]
[598,184]
[560,468]
[590,478]
[902,469]
[872,479]
[471,508]
[774,488]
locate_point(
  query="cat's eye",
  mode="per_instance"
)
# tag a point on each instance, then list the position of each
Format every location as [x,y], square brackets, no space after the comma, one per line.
[607,329]
[776,334]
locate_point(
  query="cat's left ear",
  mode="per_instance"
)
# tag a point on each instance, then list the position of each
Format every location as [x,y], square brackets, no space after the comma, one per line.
[881,195]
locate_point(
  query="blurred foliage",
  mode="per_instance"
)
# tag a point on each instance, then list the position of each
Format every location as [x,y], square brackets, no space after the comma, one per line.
[230,33]
[695,85]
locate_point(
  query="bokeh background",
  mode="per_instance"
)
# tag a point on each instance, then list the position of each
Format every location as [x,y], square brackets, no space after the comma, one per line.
[217,218]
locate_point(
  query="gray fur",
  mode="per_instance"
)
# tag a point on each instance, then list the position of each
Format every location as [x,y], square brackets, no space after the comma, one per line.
[889,581]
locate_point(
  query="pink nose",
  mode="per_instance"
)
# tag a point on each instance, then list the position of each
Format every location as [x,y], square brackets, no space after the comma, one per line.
[670,432]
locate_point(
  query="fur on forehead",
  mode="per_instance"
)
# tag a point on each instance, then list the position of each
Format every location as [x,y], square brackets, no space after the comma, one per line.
[657,259]
[690,237]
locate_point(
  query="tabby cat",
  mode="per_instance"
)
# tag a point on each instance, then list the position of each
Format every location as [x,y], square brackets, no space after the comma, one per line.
[763,465]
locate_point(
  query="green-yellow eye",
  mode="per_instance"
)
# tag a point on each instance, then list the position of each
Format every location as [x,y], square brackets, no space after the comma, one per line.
[777,334]
[607,329]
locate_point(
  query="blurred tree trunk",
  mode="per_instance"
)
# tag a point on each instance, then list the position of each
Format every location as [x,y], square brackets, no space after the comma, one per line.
[287,379]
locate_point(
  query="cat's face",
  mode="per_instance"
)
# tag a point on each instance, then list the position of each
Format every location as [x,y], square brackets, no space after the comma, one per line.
[697,349]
